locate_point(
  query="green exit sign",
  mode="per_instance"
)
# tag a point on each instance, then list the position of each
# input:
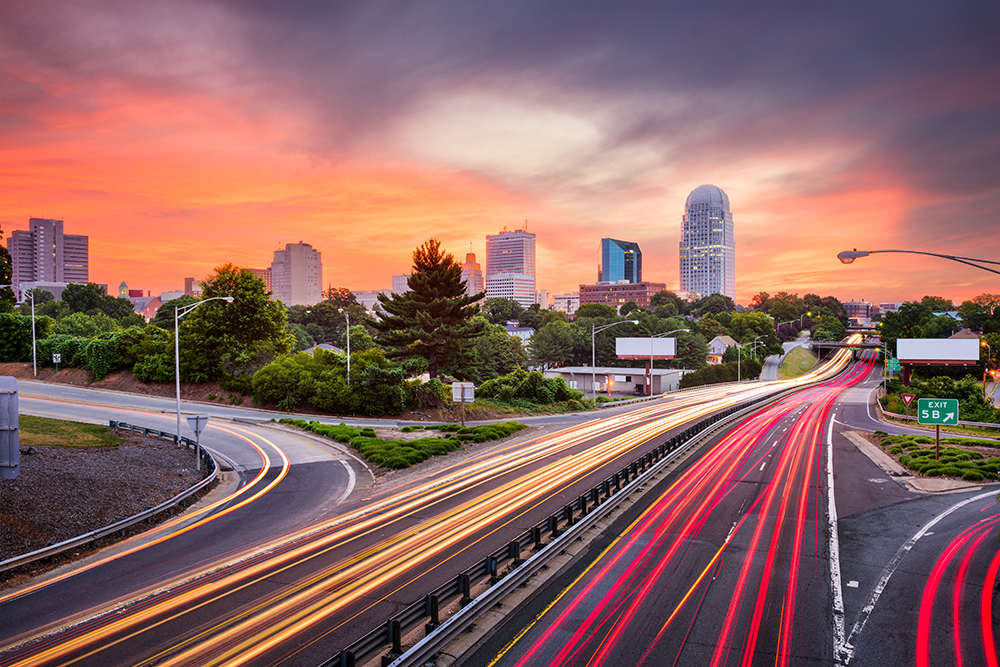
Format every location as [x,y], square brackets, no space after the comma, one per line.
[941,411]
[894,365]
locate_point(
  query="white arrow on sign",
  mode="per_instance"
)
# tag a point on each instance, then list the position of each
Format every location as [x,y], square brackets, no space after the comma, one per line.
[948,416]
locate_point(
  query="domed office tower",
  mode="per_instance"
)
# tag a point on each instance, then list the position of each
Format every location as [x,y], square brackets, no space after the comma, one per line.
[708,245]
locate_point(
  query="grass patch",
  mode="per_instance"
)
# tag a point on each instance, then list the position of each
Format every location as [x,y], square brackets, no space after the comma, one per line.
[405,453]
[797,362]
[916,452]
[39,431]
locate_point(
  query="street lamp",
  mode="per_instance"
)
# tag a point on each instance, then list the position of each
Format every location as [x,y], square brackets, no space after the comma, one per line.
[179,312]
[849,256]
[594,330]
[989,354]
[34,350]
[651,337]
[348,316]
[739,356]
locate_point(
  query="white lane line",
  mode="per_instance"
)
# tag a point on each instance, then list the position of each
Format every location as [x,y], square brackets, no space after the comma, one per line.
[762,465]
[840,654]
[351,479]
[891,567]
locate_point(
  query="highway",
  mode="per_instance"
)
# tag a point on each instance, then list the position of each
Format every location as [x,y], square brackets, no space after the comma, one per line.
[306,566]
[732,562]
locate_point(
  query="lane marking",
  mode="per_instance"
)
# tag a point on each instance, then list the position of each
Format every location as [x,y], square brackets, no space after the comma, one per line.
[839,649]
[893,564]
[852,584]
[351,479]
[762,465]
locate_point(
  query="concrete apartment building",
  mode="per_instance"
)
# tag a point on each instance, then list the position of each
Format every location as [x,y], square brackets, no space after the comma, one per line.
[297,275]
[45,257]
[510,266]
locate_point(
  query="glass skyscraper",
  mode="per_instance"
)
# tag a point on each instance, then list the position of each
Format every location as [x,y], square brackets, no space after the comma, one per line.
[620,260]
[708,245]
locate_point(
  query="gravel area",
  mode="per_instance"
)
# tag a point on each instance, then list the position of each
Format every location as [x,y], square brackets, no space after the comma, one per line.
[63,492]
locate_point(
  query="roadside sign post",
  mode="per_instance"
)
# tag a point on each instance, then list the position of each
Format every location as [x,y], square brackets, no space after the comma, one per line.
[939,412]
[907,399]
[462,392]
[197,424]
[56,358]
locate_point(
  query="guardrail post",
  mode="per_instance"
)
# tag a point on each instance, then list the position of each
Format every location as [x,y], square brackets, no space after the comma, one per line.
[582,502]
[536,537]
[606,488]
[554,526]
[432,609]
[568,515]
[465,586]
[618,481]
[347,659]
[633,471]
[514,552]
[491,568]
[595,496]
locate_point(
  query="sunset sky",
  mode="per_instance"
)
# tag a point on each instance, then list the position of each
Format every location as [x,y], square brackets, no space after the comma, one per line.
[183,135]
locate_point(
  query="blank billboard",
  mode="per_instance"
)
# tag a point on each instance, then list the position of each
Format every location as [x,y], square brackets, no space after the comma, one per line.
[643,348]
[954,350]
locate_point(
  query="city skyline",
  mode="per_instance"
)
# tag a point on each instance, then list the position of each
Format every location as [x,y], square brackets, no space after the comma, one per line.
[182,138]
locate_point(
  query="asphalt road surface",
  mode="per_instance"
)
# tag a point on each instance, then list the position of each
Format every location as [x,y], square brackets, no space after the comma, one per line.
[735,562]
[292,565]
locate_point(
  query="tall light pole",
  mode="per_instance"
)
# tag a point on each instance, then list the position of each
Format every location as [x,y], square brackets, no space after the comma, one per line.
[651,337]
[594,330]
[989,354]
[34,348]
[348,316]
[739,357]
[179,312]
[849,256]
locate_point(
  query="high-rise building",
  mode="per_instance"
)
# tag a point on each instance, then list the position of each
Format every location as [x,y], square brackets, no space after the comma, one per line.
[297,275]
[618,294]
[510,266]
[401,284]
[472,274]
[708,245]
[44,254]
[620,261]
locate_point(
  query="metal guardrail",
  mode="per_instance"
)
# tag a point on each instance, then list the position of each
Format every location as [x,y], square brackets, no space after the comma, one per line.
[560,528]
[52,550]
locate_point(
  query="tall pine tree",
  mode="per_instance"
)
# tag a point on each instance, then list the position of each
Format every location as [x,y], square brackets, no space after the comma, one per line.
[434,319]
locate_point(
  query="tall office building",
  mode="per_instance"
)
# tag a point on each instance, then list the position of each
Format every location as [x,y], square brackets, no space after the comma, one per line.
[708,245]
[297,275]
[620,261]
[44,254]
[510,266]
[401,284]
[472,274]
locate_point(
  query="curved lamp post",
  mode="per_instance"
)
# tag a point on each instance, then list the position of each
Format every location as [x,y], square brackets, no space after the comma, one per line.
[651,337]
[179,312]
[594,330]
[348,316]
[34,350]
[849,256]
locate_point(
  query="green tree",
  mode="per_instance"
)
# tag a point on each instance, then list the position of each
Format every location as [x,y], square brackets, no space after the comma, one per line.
[76,324]
[711,327]
[303,341]
[783,311]
[498,353]
[744,327]
[339,297]
[361,340]
[164,317]
[938,304]
[231,341]
[15,337]
[713,303]
[981,313]
[531,317]
[597,311]
[627,308]
[553,345]
[434,319]
[668,299]
[829,328]
[498,310]
[83,298]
